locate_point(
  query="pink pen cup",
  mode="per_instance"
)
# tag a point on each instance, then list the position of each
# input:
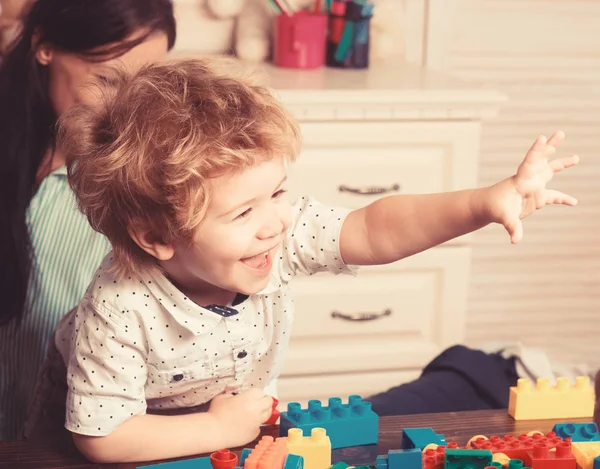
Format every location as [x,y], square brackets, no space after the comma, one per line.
[299,40]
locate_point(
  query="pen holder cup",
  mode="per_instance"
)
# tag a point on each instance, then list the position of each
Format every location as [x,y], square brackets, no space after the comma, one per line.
[348,41]
[299,40]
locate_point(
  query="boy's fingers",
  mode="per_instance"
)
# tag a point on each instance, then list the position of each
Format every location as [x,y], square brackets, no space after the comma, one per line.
[536,152]
[563,163]
[515,230]
[557,197]
[554,142]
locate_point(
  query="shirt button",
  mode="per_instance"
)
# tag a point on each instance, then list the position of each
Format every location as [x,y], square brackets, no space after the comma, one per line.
[178,377]
[242,354]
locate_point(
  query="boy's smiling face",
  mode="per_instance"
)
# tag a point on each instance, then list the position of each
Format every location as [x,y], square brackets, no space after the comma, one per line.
[235,244]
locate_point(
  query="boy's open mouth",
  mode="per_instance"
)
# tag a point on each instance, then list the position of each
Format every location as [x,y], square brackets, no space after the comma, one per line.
[261,260]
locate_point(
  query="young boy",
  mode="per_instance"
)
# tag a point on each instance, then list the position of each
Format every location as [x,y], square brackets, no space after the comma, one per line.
[184,170]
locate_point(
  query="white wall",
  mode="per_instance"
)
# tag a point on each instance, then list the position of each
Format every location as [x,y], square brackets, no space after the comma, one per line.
[545,55]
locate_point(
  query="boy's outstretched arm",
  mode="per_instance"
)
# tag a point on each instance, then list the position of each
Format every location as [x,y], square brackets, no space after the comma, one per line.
[399,226]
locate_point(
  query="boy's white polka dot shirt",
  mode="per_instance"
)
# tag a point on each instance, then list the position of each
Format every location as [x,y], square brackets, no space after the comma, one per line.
[139,343]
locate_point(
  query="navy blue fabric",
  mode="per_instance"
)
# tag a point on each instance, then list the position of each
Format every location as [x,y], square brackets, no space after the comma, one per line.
[458,379]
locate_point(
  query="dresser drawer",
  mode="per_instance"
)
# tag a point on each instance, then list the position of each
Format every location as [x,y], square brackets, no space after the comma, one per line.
[388,317]
[352,164]
[302,389]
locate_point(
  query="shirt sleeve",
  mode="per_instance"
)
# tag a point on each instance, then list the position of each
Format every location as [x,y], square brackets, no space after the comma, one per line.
[106,371]
[312,243]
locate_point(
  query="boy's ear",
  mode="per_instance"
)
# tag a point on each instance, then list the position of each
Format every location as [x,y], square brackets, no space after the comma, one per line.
[148,241]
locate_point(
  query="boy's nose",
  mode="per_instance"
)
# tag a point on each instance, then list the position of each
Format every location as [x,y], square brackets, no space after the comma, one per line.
[272,226]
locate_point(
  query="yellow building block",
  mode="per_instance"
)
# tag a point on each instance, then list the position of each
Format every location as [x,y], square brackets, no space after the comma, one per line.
[563,401]
[585,452]
[315,449]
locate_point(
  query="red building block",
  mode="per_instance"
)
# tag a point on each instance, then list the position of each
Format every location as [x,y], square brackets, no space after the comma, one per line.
[436,458]
[223,459]
[517,447]
[274,413]
[542,458]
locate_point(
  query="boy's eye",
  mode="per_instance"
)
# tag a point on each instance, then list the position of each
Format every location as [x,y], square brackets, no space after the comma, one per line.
[243,214]
[278,194]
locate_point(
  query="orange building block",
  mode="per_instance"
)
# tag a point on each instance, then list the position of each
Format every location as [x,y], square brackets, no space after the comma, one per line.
[563,401]
[315,449]
[267,454]
[585,452]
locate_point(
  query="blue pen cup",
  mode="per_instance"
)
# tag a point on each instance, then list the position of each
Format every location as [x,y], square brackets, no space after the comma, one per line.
[348,38]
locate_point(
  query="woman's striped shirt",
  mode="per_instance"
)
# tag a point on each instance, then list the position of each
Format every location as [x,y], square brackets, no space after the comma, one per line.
[67,253]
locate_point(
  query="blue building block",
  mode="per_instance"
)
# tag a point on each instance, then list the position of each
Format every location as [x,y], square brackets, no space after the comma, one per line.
[245,453]
[468,458]
[197,463]
[293,461]
[400,459]
[420,437]
[351,424]
[382,462]
[597,463]
[578,432]
[405,459]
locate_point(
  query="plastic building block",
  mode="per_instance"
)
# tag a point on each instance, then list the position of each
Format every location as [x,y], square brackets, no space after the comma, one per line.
[351,424]
[467,458]
[274,413]
[340,465]
[514,464]
[562,458]
[420,438]
[267,454]
[223,459]
[196,463]
[405,459]
[516,447]
[502,459]
[563,401]
[597,463]
[435,458]
[293,461]
[577,431]
[381,462]
[245,453]
[315,449]
[585,452]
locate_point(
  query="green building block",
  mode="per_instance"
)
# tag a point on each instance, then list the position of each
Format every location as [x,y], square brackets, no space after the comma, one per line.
[467,459]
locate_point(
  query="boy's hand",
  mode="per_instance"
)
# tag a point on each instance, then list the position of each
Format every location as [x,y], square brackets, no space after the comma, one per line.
[240,416]
[517,197]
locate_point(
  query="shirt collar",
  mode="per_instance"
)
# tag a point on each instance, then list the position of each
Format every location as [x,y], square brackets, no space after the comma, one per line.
[189,315]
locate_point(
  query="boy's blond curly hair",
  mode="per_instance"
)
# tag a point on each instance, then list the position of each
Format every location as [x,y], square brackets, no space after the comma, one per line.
[141,156]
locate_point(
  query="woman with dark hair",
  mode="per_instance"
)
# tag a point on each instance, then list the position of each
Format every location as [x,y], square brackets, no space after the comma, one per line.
[48,251]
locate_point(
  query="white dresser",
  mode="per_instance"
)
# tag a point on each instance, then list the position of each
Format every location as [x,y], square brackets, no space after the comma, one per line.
[386,130]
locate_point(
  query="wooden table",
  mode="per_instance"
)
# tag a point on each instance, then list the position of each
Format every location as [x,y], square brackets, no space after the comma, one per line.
[456,426]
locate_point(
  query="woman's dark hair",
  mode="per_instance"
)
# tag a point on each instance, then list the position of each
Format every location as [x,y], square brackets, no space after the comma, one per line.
[28,120]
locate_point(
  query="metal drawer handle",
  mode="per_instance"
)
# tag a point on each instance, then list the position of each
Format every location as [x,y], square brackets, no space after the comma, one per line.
[361,316]
[373,190]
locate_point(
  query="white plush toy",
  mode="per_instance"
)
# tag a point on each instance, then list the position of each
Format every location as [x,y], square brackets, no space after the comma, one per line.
[253,28]
[206,26]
